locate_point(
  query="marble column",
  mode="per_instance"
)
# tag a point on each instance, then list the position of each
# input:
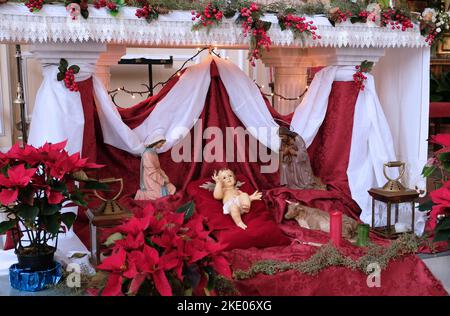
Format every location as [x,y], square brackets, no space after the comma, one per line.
[290,75]
[111,57]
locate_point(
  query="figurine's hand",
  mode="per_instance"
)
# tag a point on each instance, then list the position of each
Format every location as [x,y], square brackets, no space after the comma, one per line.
[215,177]
[242,225]
[256,196]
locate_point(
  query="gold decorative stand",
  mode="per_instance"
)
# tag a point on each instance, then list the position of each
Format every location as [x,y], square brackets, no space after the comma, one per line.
[108,215]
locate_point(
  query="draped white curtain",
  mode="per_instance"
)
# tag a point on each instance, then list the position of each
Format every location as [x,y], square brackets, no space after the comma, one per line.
[175,115]
[371,143]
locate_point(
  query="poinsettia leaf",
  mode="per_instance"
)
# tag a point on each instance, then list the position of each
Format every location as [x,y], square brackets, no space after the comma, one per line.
[77,197]
[442,235]
[7,225]
[211,278]
[428,171]
[426,206]
[84,13]
[68,219]
[59,186]
[120,2]
[75,68]
[28,212]
[60,76]
[188,210]
[112,239]
[192,274]
[52,223]
[444,224]
[63,63]
[50,209]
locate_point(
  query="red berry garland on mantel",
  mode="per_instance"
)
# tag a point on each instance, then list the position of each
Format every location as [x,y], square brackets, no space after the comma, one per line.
[253,25]
[395,19]
[338,16]
[67,74]
[34,5]
[210,15]
[298,25]
[112,6]
[150,13]
[358,77]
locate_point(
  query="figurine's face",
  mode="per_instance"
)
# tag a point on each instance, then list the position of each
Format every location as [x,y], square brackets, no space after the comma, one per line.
[227,177]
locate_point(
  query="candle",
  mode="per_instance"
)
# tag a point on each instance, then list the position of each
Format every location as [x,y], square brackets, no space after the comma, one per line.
[336,227]
[363,235]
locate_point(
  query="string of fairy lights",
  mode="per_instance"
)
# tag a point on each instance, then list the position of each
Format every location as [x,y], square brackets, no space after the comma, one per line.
[147,92]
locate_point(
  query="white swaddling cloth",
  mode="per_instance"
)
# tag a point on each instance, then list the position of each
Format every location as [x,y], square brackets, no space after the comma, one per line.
[229,203]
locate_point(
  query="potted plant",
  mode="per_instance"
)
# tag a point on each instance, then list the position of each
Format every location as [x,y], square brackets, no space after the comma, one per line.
[35,183]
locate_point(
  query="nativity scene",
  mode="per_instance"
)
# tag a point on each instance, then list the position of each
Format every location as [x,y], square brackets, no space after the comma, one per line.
[267,171]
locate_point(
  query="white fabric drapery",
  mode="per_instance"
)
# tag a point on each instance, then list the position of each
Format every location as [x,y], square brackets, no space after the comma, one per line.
[175,115]
[371,143]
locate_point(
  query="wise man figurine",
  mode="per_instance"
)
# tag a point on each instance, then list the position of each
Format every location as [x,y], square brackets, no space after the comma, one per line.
[154,182]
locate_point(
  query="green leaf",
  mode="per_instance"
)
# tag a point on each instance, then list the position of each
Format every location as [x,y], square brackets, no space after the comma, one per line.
[68,218]
[112,239]
[188,210]
[75,68]
[114,13]
[52,223]
[60,76]
[211,278]
[63,63]
[120,2]
[426,206]
[50,209]
[84,13]
[78,198]
[442,235]
[27,212]
[428,171]
[444,224]
[7,225]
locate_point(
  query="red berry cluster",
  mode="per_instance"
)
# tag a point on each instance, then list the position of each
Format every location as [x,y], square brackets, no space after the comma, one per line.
[299,25]
[100,4]
[342,16]
[34,5]
[112,6]
[255,27]
[247,13]
[359,78]
[69,80]
[364,15]
[396,20]
[431,36]
[145,11]
[207,17]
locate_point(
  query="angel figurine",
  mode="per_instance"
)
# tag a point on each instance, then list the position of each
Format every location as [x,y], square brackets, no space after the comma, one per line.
[235,202]
[154,182]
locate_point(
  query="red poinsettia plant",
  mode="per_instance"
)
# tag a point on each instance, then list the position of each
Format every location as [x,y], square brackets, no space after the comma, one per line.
[162,253]
[34,185]
[438,168]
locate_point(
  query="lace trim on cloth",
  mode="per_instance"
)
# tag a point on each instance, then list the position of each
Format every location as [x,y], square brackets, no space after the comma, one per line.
[52,24]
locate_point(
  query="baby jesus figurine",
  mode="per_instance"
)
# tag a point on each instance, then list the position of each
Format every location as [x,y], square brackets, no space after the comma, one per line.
[235,202]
